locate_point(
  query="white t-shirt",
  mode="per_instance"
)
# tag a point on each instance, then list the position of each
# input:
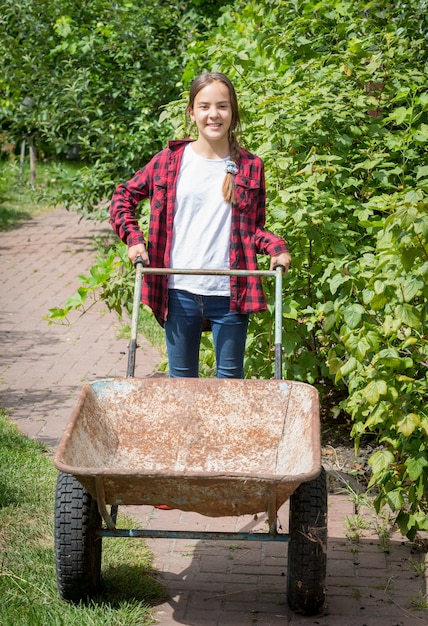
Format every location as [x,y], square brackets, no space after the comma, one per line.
[202,222]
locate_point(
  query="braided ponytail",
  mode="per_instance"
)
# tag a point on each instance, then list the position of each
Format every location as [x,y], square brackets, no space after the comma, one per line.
[228,188]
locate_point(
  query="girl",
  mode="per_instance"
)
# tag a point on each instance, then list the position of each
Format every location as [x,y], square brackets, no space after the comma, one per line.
[207,211]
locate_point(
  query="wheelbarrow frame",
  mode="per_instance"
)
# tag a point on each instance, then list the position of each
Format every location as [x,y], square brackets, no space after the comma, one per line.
[307,535]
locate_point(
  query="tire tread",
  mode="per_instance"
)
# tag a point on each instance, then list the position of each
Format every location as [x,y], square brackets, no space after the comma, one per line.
[77,547]
[307,549]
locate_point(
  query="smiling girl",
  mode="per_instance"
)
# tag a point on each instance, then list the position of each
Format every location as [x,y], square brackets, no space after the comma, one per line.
[207,211]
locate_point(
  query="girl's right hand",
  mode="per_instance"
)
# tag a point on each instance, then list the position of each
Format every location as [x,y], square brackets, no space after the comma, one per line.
[136,251]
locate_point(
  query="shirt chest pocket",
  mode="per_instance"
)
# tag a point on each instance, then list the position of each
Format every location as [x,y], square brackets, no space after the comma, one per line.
[247,191]
[158,202]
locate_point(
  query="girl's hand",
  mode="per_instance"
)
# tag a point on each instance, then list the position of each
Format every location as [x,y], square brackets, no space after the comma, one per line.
[136,251]
[280,259]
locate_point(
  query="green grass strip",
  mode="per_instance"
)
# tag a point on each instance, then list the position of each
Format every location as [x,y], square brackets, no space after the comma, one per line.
[28,590]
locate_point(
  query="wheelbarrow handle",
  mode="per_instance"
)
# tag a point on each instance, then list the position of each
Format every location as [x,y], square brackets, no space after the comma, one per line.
[139,264]
[278,272]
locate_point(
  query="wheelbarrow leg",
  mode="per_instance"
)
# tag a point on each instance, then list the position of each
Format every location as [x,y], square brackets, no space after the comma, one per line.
[113,513]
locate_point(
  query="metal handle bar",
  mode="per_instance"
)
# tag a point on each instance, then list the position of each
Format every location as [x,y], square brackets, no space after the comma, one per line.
[140,270]
[134,320]
[198,272]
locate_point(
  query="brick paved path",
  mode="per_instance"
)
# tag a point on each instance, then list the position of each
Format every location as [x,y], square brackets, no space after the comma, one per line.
[211,583]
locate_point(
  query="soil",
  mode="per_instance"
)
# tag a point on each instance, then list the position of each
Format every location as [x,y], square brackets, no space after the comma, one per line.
[343,463]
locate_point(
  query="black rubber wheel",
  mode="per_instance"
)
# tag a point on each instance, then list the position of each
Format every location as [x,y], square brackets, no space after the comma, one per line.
[77,545]
[307,548]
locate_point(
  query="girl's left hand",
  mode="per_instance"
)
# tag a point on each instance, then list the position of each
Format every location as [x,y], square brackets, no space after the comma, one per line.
[283,259]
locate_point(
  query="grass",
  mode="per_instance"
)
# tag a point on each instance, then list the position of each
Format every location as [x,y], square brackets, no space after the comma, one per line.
[21,200]
[27,572]
[420,603]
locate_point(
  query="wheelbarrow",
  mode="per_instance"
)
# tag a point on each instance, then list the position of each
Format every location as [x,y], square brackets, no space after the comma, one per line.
[218,447]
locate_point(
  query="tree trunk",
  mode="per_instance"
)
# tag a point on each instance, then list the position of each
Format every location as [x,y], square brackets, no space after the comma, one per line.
[33,162]
[21,162]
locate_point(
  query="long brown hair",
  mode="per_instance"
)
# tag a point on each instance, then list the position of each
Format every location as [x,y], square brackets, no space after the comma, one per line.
[199,83]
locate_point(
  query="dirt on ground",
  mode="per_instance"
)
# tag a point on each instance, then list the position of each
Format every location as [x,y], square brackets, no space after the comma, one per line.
[347,465]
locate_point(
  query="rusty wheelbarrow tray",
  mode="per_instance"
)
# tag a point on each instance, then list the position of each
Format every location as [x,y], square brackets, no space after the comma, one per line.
[215,447]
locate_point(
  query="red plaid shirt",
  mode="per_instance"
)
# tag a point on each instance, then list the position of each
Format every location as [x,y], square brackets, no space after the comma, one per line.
[248,237]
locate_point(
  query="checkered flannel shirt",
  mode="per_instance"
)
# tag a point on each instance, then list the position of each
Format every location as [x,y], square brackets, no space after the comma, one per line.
[248,237]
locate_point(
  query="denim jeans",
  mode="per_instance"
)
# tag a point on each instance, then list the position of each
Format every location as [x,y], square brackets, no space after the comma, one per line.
[183,328]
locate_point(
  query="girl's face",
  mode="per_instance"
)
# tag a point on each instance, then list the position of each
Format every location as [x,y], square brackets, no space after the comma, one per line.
[212,112]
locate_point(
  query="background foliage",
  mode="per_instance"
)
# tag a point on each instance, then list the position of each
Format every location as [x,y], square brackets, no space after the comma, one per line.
[86,80]
[334,99]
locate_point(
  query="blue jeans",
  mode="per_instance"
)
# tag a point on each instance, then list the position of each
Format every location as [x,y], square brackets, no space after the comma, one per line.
[183,328]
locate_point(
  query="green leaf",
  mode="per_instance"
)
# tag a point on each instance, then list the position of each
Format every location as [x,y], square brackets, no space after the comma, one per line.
[391,326]
[400,114]
[414,196]
[337,281]
[378,301]
[424,424]
[358,345]
[270,119]
[421,520]
[422,134]
[368,164]
[380,461]
[408,315]
[346,369]
[421,171]
[63,26]
[408,424]
[416,465]
[374,390]
[377,415]
[58,314]
[362,348]
[395,499]
[329,322]
[389,357]
[334,364]
[77,300]
[423,99]
[352,315]
[290,309]
[406,524]
[412,287]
